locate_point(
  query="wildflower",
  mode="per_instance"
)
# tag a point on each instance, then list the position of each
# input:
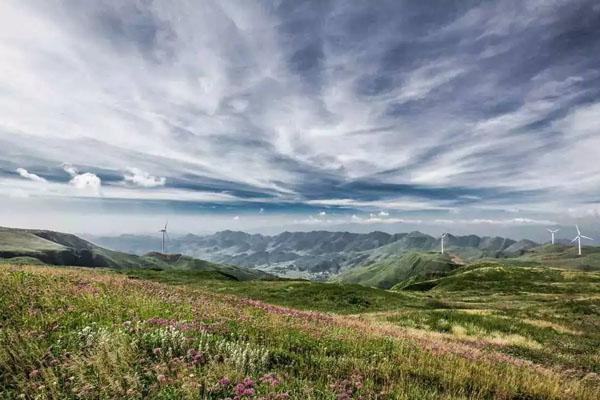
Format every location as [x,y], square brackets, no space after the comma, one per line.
[161,378]
[224,381]
[239,389]
[196,357]
[156,351]
[270,379]
[34,373]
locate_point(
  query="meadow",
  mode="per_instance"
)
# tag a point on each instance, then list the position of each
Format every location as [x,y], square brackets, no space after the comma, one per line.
[79,333]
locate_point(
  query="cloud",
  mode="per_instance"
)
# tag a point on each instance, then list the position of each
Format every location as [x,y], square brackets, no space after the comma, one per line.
[489,221]
[360,108]
[87,183]
[28,175]
[236,218]
[69,169]
[322,213]
[141,178]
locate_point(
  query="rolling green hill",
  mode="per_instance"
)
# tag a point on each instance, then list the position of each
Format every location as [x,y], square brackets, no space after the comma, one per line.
[25,246]
[563,256]
[389,272]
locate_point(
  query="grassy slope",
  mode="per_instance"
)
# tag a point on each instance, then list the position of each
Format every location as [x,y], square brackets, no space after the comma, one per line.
[389,272]
[565,257]
[19,246]
[11,240]
[75,333]
[300,294]
[193,264]
[547,315]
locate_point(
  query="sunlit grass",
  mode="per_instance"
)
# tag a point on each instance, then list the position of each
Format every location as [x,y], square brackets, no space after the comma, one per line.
[90,334]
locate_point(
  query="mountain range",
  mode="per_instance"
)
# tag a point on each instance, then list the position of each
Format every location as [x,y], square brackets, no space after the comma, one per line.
[376,259]
[34,246]
[316,254]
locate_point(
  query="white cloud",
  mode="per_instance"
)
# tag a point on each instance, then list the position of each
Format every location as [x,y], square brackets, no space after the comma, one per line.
[236,218]
[211,96]
[28,175]
[87,182]
[69,169]
[141,178]
[491,221]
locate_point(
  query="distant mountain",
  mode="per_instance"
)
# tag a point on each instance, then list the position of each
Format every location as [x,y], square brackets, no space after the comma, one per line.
[316,254]
[34,246]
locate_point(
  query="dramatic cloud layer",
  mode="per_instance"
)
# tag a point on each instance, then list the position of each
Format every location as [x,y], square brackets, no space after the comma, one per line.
[302,111]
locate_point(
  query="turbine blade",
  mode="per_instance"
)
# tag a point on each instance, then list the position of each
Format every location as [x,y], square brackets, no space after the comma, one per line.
[577,237]
[586,237]
[578,231]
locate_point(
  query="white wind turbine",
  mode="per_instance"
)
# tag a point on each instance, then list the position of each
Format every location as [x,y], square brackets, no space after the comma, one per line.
[579,237]
[442,240]
[552,232]
[164,233]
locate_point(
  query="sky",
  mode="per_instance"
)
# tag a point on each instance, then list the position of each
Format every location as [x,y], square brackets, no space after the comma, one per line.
[467,116]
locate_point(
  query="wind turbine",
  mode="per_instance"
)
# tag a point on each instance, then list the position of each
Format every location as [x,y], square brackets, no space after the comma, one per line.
[442,240]
[552,232]
[579,237]
[164,233]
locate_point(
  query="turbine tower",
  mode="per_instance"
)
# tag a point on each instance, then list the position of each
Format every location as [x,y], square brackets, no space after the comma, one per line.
[579,237]
[164,233]
[552,232]
[442,240]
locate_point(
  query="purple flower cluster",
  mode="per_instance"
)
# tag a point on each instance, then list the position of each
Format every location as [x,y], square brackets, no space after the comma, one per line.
[224,381]
[288,312]
[270,379]
[247,389]
[195,357]
[244,389]
[182,326]
[349,388]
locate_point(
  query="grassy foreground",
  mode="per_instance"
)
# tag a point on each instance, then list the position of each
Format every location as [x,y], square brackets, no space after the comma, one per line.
[75,333]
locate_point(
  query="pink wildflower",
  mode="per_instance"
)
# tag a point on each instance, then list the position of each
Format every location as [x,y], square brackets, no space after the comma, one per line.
[224,381]
[270,379]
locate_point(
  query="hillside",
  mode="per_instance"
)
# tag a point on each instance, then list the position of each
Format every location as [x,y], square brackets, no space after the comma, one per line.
[55,248]
[317,254]
[561,255]
[111,336]
[389,272]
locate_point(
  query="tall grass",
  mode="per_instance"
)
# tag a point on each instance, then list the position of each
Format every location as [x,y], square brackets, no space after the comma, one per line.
[72,333]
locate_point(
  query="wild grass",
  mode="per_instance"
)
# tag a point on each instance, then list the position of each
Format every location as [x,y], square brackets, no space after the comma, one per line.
[80,334]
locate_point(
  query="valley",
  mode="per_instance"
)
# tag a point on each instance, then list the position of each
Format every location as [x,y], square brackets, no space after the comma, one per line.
[316,255]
